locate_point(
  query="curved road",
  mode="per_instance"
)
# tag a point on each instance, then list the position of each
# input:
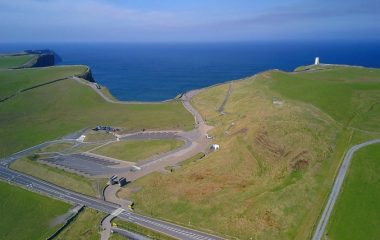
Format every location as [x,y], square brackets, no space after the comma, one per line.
[321,227]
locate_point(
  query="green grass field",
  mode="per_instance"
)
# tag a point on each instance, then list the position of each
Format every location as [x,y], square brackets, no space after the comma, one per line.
[133,151]
[14,61]
[54,110]
[274,183]
[85,227]
[356,213]
[27,215]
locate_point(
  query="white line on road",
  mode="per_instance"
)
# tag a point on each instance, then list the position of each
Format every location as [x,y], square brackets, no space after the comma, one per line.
[117,212]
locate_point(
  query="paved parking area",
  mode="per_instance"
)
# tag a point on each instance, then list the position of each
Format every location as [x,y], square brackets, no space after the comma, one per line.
[99,166]
[87,165]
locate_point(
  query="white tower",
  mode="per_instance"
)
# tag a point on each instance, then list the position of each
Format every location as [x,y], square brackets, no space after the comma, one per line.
[316,61]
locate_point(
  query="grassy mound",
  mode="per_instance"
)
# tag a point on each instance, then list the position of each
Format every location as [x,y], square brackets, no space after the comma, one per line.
[27,215]
[133,151]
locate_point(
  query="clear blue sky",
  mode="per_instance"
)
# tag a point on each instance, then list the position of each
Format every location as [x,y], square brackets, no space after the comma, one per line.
[195,20]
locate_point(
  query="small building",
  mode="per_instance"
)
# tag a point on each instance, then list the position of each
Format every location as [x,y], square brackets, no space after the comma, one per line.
[122,181]
[113,180]
[316,61]
[215,147]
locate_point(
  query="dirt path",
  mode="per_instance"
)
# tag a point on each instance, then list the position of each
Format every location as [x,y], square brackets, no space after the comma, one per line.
[221,108]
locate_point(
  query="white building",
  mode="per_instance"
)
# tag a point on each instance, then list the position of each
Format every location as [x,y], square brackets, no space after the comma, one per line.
[316,61]
[215,147]
[81,138]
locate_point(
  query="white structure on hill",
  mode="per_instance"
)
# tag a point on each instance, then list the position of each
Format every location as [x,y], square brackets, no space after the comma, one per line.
[215,147]
[316,61]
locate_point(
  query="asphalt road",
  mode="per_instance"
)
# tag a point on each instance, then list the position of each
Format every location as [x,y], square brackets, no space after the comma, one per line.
[43,187]
[321,227]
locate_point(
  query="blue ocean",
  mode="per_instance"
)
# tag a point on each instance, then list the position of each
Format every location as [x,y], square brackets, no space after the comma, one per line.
[160,71]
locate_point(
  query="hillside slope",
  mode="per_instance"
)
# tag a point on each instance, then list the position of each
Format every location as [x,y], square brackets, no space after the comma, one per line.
[282,137]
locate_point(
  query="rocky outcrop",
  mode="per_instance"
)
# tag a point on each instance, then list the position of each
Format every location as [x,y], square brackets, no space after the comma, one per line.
[57,58]
[44,60]
[87,75]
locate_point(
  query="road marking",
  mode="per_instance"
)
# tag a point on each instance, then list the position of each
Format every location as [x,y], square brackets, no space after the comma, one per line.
[117,212]
[173,229]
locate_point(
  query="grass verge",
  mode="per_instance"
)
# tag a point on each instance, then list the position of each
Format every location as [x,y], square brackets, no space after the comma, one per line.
[71,181]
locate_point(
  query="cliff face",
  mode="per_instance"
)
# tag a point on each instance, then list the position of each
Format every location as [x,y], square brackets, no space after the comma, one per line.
[47,57]
[57,58]
[44,60]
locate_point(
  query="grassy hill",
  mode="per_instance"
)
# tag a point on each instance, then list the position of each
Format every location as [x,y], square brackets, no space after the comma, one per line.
[282,139]
[350,95]
[13,81]
[27,215]
[56,109]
